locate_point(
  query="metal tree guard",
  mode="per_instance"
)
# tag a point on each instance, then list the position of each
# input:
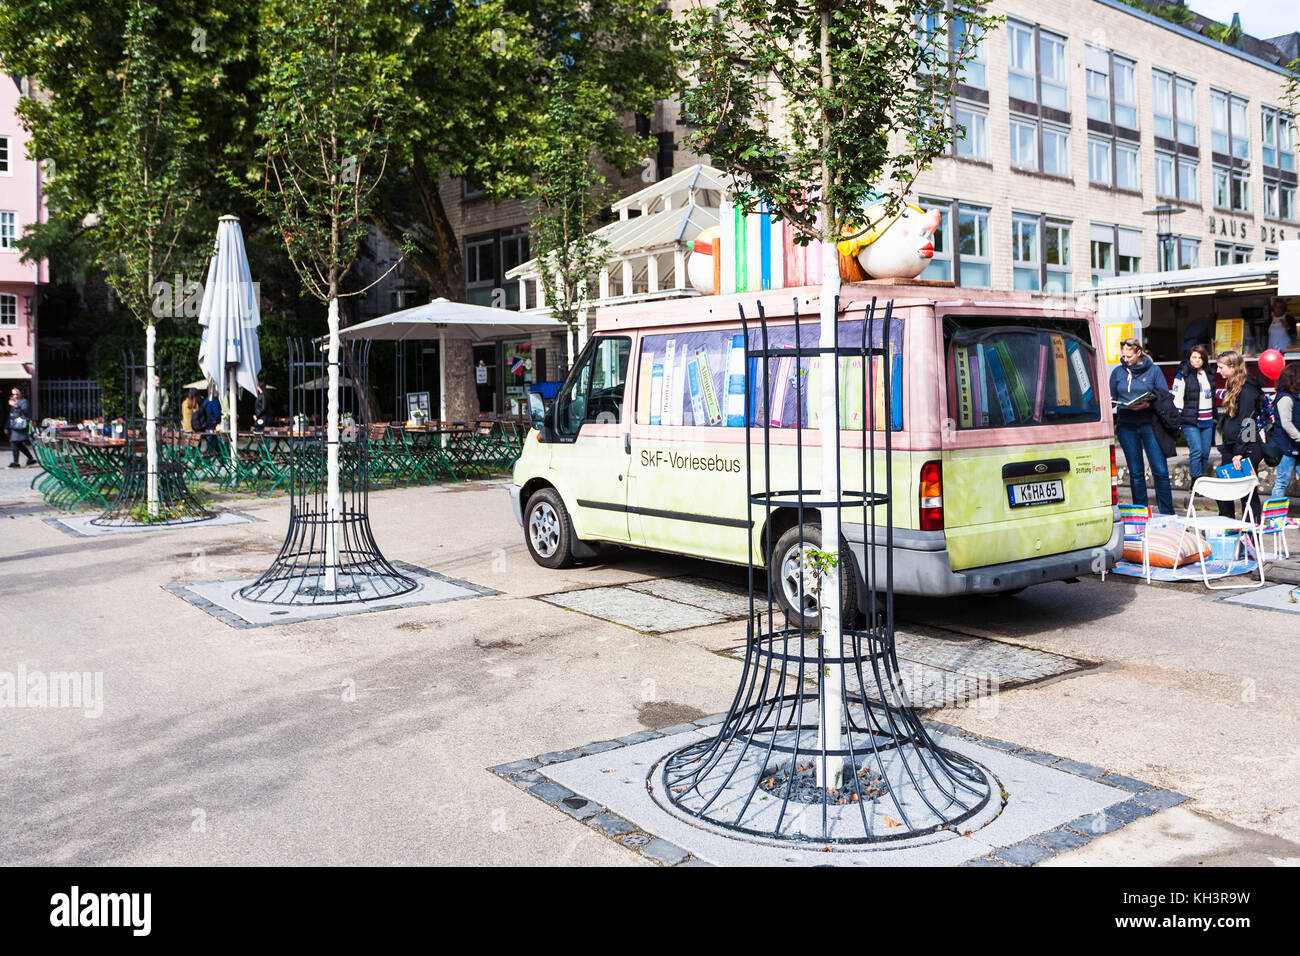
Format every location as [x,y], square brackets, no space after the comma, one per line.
[301,572]
[760,775]
[176,503]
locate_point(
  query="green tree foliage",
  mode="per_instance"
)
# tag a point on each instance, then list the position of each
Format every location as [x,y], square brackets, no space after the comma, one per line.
[477,92]
[821,106]
[570,192]
[329,88]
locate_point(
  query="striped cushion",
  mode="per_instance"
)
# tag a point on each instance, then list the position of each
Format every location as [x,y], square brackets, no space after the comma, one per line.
[1162,544]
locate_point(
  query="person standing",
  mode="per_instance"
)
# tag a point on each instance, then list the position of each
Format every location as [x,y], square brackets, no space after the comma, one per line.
[1242,397]
[1134,384]
[188,408]
[1286,411]
[261,407]
[1194,398]
[19,423]
[1279,330]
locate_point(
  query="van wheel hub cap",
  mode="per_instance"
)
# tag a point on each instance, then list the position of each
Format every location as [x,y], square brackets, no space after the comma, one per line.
[797,580]
[544,530]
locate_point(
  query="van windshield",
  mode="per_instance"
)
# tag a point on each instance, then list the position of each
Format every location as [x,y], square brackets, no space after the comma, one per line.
[1006,372]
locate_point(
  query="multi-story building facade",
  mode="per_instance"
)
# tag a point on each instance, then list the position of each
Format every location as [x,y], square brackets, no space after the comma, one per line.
[20,206]
[1081,115]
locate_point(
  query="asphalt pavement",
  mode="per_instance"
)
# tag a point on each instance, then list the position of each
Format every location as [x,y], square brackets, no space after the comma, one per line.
[367,739]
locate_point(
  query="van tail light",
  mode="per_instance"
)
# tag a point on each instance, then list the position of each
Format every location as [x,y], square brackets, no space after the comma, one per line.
[1114,478]
[932,496]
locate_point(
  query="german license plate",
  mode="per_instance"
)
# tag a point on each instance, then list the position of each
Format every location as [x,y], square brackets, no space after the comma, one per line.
[1036,493]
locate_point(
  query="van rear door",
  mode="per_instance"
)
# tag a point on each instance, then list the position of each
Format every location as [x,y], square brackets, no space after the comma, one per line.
[1026,447]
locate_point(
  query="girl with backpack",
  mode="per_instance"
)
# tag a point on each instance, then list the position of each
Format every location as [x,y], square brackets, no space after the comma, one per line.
[1286,430]
[1194,398]
[1242,398]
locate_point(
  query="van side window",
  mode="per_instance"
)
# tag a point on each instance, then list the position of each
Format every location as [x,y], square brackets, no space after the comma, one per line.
[699,378]
[594,391]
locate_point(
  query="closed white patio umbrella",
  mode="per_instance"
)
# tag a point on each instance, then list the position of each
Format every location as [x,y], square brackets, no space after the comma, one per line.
[229,353]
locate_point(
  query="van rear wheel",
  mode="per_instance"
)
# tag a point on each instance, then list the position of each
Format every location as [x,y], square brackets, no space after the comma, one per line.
[548,530]
[792,579]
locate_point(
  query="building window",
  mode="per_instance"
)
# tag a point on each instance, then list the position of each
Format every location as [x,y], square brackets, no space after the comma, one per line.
[974,264]
[1229,129]
[1270,255]
[5,169]
[940,266]
[1225,253]
[1279,200]
[1112,88]
[8,229]
[1024,251]
[1164,175]
[1174,107]
[965,262]
[1279,139]
[1126,166]
[1187,190]
[1021,70]
[1036,69]
[1241,190]
[1056,150]
[1101,246]
[1024,143]
[471,187]
[1100,169]
[1056,255]
[487,259]
[1232,189]
[974,141]
[1179,252]
[976,66]
[1129,260]
[1040,252]
[8,309]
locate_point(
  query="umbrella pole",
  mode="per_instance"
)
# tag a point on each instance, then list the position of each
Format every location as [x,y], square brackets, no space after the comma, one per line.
[234,425]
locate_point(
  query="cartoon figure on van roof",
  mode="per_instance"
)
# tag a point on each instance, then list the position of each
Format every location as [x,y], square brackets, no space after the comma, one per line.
[894,247]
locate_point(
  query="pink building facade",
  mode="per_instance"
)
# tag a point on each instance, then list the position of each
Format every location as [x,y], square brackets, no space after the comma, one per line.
[21,205]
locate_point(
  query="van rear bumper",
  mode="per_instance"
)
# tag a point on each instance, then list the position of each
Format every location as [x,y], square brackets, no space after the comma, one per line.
[921,564]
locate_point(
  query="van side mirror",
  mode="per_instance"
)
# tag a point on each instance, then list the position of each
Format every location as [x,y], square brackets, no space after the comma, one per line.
[536,410]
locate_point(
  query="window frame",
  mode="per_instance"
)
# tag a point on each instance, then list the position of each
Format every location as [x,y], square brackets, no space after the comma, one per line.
[587,358]
[10,300]
[953,211]
[6,155]
[8,230]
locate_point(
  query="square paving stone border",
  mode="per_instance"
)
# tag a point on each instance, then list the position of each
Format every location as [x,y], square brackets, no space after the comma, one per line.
[220,521]
[226,616]
[530,775]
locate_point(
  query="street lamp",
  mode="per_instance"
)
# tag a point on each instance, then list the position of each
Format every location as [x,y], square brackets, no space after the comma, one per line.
[1164,232]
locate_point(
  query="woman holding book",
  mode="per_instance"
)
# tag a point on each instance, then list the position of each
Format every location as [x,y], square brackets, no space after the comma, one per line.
[1134,384]
[1194,398]
[1242,397]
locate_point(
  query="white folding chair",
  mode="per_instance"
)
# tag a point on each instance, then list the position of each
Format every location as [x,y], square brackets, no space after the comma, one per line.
[1224,489]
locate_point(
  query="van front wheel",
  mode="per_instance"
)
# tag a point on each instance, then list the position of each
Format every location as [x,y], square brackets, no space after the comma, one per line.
[548,530]
[792,581]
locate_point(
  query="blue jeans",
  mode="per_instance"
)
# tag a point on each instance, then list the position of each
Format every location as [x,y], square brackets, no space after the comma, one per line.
[1285,469]
[1200,439]
[1133,440]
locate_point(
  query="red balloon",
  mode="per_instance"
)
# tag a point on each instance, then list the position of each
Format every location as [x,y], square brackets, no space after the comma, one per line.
[1271,363]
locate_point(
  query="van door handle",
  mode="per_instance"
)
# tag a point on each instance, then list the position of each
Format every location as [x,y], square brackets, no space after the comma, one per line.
[627,443]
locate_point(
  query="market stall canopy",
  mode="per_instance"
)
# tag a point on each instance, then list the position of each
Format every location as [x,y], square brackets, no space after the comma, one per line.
[453,320]
[1238,277]
[14,370]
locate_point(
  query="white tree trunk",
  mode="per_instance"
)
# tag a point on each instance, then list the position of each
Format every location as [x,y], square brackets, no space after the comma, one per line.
[150,422]
[831,683]
[333,500]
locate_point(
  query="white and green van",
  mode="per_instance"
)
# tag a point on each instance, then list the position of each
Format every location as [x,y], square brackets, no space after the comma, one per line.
[1003,469]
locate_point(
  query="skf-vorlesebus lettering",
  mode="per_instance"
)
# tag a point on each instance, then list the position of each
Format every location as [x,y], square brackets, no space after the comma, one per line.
[672,459]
